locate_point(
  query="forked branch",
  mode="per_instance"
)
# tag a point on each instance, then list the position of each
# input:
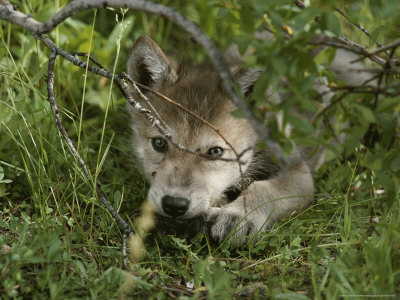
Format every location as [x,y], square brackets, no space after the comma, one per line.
[38,29]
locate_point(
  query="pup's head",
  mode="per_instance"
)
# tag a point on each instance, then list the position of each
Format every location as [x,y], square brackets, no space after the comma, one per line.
[184,185]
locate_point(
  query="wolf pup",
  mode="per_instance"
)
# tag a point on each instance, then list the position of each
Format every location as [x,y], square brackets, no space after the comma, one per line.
[185,186]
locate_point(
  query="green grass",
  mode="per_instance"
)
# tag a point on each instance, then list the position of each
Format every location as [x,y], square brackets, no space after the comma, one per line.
[58,241]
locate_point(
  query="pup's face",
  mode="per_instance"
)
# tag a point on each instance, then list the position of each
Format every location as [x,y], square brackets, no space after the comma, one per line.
[184,185]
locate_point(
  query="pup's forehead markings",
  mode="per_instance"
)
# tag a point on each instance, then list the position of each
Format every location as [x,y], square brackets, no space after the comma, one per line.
[153,131]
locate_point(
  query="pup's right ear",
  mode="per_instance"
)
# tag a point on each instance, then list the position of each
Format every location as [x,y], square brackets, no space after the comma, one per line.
[148,65]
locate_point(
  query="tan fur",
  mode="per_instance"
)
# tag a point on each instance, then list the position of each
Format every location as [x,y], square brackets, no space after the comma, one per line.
[203,184]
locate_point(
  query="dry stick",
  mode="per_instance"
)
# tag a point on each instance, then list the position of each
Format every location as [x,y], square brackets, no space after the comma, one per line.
[9,14]
[146,99]
[91,58]
[392,45]
[196,33]
[352,46]
[365,31]
[345,43]
[300,4]
[127,230]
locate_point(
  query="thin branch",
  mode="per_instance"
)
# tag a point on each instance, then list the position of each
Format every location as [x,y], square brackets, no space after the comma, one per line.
[37,29]
[392,45]
[91,58]
[300,4]
[331,104]
[126,228]
[120,80]
[365,31]
[345,43]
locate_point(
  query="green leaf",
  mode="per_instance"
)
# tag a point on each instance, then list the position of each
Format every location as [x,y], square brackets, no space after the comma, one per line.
[366,113]
[326,56]
[301,124]
[395,165]
[296,242]
[181,243]
[53,249]
[330,22]
[388,105]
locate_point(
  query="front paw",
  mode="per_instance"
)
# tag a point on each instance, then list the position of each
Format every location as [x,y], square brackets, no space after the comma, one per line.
[231,224]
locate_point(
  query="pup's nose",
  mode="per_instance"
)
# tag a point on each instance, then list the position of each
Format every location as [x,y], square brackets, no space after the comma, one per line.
[174,207]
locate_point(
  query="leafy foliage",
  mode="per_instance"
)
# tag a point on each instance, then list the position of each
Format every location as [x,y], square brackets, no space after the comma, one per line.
[58,241]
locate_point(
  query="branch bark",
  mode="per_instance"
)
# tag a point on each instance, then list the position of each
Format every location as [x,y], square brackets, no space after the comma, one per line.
[37,29]
[345,43]
[126,228]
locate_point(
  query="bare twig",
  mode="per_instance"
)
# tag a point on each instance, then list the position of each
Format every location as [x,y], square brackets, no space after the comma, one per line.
[91,58]
[345,43]
[37,29]
[365,31]
[127,230]
[300,4]
[392,45]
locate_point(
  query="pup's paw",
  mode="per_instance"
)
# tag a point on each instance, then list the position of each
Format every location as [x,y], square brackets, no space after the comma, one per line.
[231,224]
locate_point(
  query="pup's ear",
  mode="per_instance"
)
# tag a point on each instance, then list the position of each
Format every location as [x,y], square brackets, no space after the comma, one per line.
[232,57]
[246,78]
[148,65]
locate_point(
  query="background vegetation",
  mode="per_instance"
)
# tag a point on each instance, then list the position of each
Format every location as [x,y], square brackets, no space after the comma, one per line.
[58,240]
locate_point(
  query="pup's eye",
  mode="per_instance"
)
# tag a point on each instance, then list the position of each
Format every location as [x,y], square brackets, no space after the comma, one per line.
[215,152]
[159,144]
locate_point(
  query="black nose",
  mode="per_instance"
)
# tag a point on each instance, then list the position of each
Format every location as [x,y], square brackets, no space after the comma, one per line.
[174,207]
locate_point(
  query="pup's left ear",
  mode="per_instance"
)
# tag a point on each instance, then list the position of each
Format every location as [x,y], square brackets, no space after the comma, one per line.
[148,65]
[246,78]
